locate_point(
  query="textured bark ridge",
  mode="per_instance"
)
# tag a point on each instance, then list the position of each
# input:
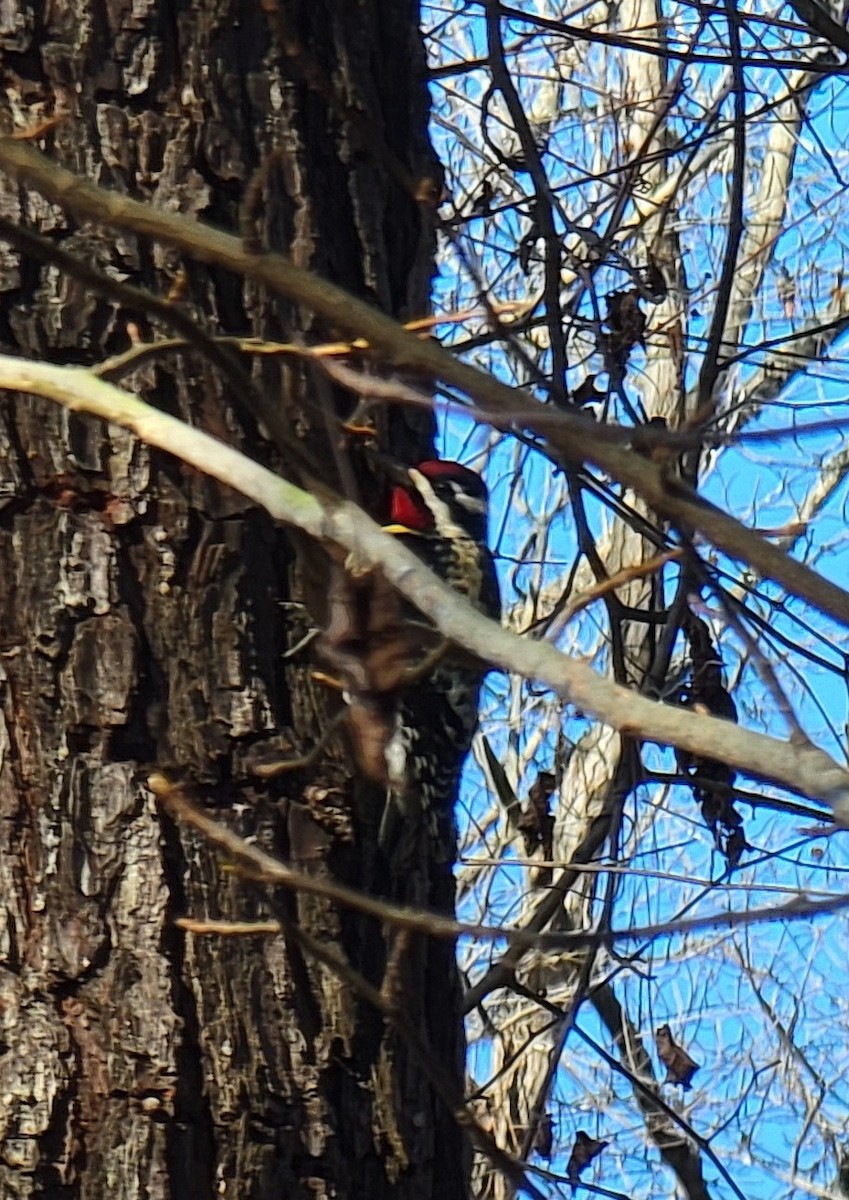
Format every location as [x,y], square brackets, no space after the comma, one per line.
[145,614]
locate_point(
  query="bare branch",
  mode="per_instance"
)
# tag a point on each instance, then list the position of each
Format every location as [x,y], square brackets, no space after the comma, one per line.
[574,439]
[802,768]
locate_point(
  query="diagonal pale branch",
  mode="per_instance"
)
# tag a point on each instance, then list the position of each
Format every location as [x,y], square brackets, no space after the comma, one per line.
[572,438]
[768,207]
[802,768]
[793,357]
[764,226]
[829,478]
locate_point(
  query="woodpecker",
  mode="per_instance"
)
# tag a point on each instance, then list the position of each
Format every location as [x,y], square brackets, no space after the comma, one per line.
[440,512]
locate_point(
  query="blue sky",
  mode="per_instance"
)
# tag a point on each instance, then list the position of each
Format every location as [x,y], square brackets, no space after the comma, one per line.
[759,1009]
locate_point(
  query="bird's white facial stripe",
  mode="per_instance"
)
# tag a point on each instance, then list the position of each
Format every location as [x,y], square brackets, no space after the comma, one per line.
[446,526]
[472,504]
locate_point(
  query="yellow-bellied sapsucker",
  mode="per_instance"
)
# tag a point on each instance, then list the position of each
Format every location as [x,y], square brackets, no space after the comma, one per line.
[440,512]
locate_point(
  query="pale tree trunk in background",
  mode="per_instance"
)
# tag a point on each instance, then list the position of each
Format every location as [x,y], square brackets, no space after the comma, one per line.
[144,619]
[600,772]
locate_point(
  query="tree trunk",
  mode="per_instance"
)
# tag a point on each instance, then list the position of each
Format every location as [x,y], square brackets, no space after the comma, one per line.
[145,614]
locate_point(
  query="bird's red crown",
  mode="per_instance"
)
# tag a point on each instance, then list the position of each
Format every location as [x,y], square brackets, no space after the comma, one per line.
[459,486]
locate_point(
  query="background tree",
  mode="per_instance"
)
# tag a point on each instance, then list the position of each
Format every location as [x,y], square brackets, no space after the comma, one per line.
[646,221]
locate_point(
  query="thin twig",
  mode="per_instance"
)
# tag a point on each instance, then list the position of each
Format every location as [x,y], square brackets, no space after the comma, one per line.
[803,769]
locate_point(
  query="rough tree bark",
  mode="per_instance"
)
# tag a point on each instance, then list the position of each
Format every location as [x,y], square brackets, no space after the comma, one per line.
[145,614]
